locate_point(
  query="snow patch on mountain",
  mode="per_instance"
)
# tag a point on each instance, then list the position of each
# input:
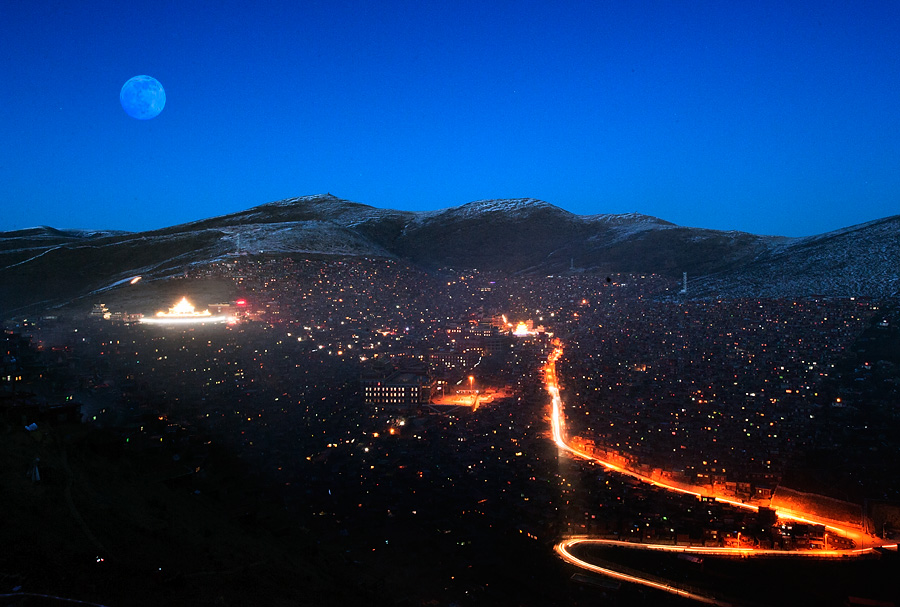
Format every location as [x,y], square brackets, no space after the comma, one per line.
[855,261]
[622,226]
[512,207]
[504,205]
[299,236]
[627,219]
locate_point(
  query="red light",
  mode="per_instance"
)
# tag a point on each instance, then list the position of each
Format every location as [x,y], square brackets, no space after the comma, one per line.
[241,302]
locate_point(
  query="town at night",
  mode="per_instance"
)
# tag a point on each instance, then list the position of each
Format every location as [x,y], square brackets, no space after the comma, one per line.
[461,437]
[450,304]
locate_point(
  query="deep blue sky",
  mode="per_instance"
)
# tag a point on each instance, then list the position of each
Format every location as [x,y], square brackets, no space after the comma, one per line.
[773,118]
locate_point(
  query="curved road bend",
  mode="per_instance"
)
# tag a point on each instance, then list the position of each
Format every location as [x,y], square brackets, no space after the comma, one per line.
[563,548]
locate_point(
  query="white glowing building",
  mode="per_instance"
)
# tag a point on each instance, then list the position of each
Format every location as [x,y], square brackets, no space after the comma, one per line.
[184,313]
[523,330]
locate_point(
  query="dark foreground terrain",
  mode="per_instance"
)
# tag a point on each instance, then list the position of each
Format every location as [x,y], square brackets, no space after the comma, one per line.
[239,465]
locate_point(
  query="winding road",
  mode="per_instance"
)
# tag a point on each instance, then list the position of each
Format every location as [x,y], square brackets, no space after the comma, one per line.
[564,548]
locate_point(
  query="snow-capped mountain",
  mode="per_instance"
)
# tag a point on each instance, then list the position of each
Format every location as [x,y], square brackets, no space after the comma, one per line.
[859,260]
[44,266]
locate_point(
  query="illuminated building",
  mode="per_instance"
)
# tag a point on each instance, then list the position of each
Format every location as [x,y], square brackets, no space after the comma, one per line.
[238,309]
[453,359]
[100,311]
[184,313]
[399,389]
[484,329]
[526,329]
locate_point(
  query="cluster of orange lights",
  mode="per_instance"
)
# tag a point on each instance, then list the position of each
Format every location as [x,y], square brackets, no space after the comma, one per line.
[563,548]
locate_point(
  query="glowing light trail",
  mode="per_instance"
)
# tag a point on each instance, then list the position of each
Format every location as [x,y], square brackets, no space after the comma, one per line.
[563,550]
[717,550]
[559,436]
[558,426]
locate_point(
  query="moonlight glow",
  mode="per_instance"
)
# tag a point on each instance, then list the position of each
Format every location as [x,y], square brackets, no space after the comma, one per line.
[142,97]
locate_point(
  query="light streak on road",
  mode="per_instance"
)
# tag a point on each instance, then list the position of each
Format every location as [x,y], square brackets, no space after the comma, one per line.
[559,436]
[562,549]
[558,427]
[721,550]
[558,423]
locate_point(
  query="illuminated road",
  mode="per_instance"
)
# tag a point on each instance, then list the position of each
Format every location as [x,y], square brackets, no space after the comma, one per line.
[565,545]
[563,550]
[558,425]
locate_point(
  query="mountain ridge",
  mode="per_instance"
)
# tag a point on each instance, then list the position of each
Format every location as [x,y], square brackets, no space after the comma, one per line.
[47,266]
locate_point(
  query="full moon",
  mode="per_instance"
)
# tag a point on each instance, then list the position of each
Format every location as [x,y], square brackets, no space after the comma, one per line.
[142,97]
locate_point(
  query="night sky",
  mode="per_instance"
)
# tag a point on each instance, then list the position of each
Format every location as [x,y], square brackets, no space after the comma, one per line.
[772,118]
